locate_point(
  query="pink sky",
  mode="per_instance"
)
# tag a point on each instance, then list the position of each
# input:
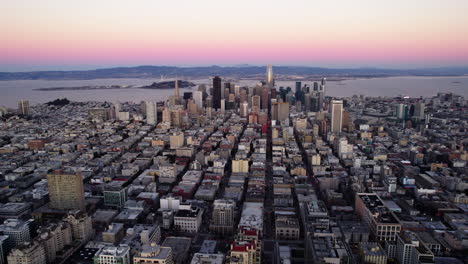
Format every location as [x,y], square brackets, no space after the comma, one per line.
[416,33]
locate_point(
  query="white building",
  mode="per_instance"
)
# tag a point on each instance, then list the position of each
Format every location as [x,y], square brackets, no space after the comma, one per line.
[151,113]
[198,98]
[113,255]
[188,220]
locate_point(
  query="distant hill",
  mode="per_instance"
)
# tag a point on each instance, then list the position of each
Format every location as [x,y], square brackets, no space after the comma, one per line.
[240,71]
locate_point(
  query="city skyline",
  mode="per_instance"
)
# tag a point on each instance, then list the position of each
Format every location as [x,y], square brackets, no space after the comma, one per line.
[57,35]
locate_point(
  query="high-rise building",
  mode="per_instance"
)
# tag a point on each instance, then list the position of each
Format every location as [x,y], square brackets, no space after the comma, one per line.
[269,76]
[336,115]
[243,95]
[66,190]
[324,81]
[176,92]
[401,111]
[283,111]
[222,221]
[265,97]
[419,109]
[198,98]
[151,112]
[23,107]
[216,92]
[244,109]
[298,86]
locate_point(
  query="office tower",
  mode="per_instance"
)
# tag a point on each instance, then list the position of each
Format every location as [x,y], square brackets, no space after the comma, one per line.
[66,190]
[226,94]
[166,115]
[298,86]
[111,255]
[283,111]
[316,86]
[274,110]
[151,113]
[19,231]
[265,97]
[237,89]
[244,109]
[256,101]
[216,92]
[273,93]
[198,98]
[314,103]
[347,121]
[419,109]
[223,105]
[30,253]
[324,81]
[202,88]
[227,85]
[222,221]
[401,111]
[243,95]
[269,76]
[116,108]
[23,107]
[307,102]
[336,115]
[192,108]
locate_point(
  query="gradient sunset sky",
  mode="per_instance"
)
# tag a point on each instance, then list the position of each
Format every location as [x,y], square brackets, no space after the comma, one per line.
[87,34]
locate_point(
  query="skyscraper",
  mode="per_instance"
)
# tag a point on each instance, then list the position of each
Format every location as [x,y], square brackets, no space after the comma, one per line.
[151,113]
[176,84]
[336,115]
[256,103]
[401,111]
[419,110]
[23,107]
[244,109]
[265,97]
[216,92]
[66,190]
[269,76]
[298,86]
[198,98]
